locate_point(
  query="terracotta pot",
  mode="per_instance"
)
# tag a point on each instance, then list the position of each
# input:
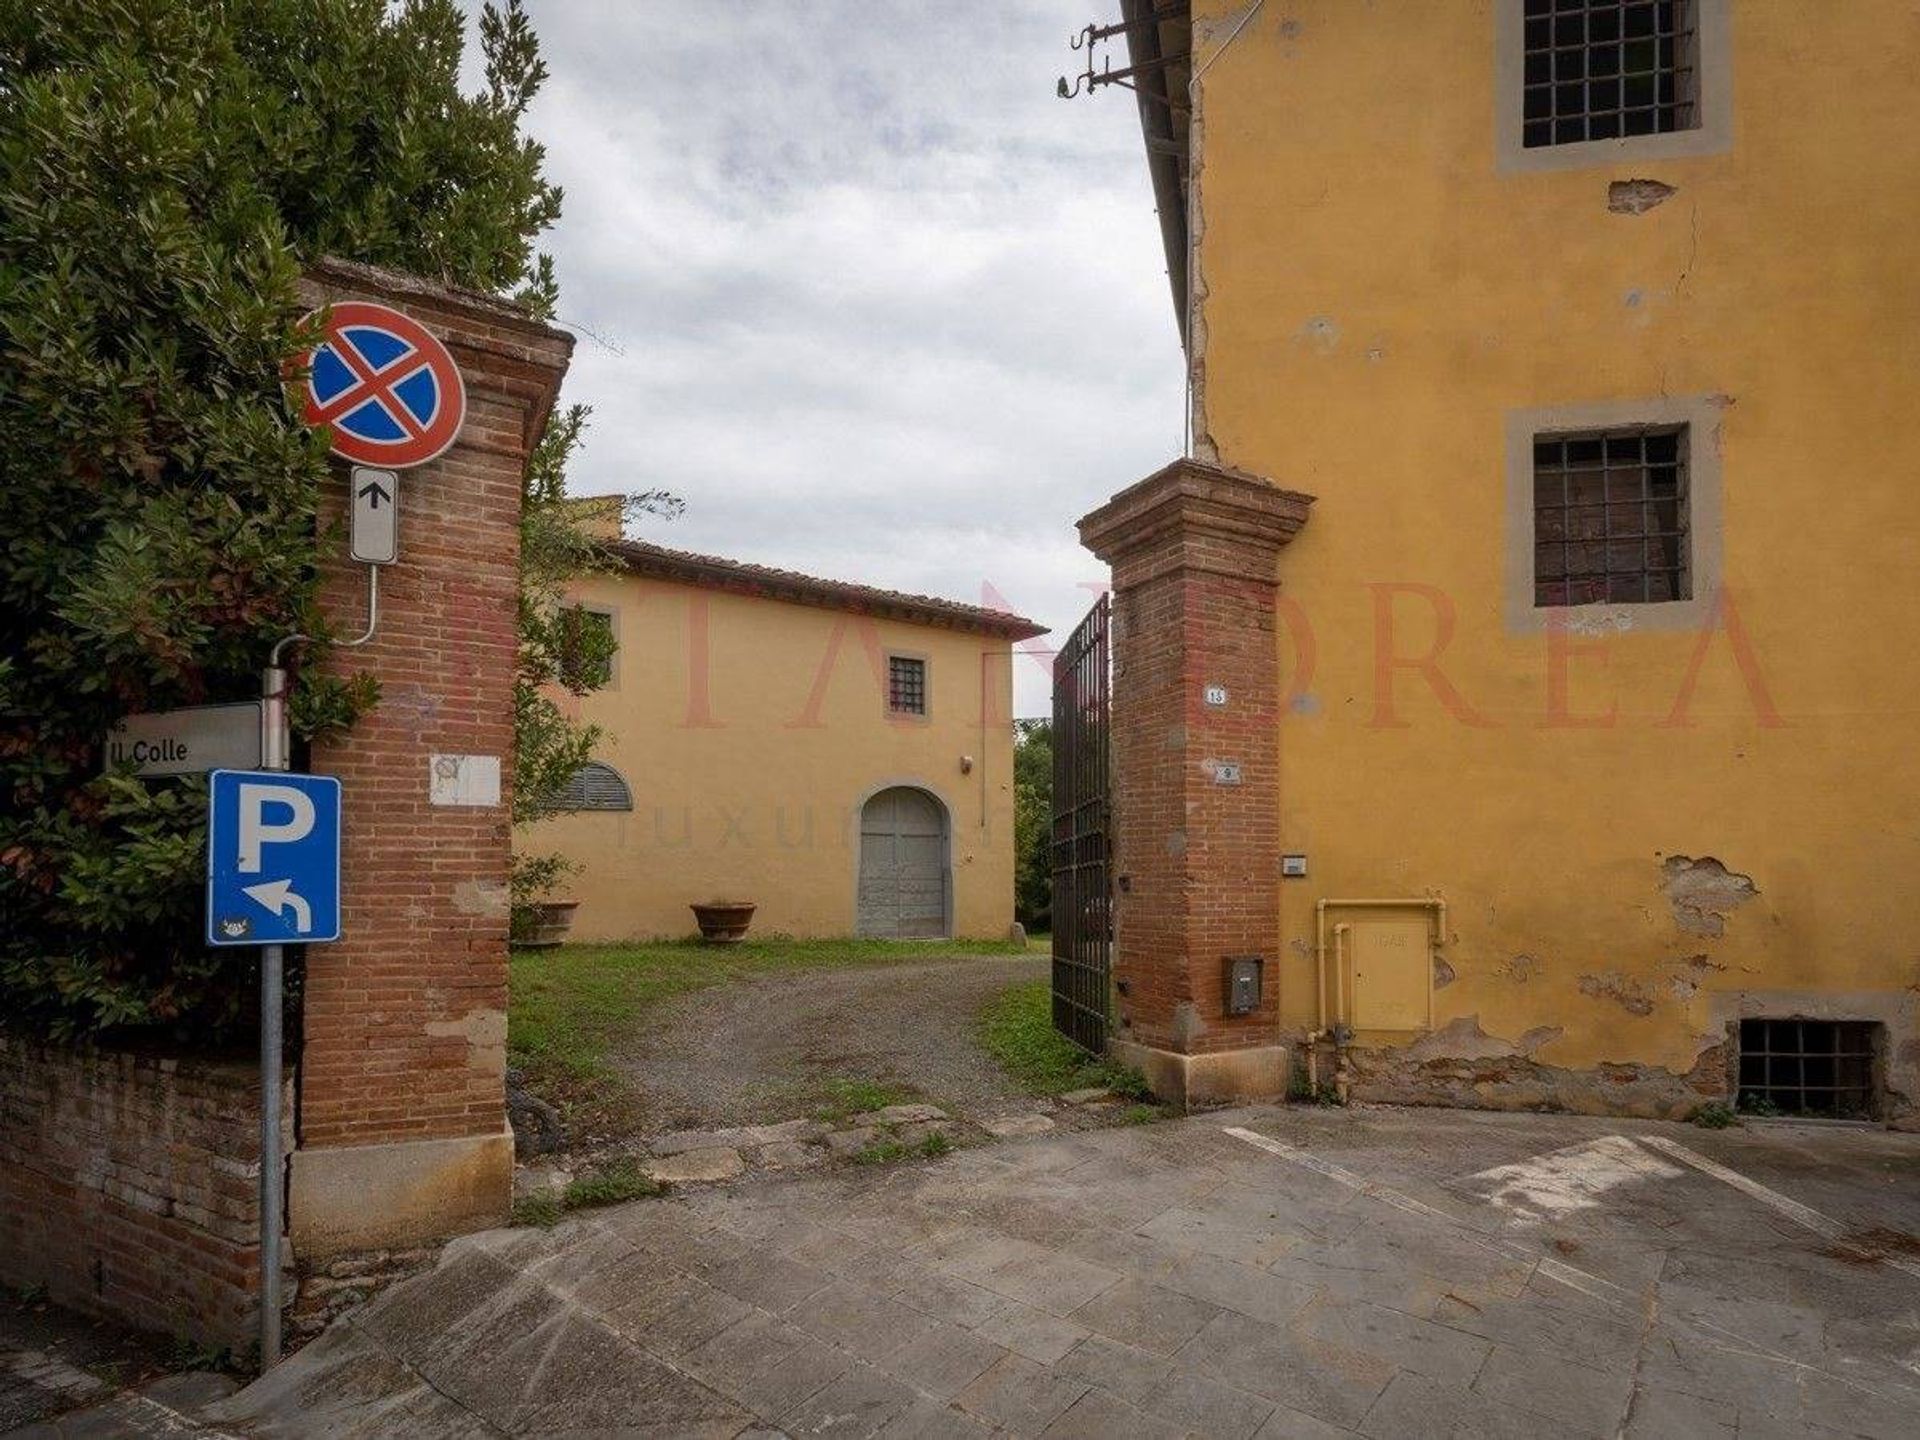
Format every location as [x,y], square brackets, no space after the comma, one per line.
[551,921]
[724,922]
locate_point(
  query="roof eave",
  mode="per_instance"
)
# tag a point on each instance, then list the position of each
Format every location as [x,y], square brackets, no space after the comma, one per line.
[736,577]
[1163,127]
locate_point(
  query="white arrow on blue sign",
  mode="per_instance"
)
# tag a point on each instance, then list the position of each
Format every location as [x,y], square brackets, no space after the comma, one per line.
[273,858]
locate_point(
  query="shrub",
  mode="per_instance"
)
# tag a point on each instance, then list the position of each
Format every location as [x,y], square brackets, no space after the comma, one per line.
[166,170]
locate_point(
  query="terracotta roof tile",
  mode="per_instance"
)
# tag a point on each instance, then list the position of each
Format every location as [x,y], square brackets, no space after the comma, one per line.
[718,573]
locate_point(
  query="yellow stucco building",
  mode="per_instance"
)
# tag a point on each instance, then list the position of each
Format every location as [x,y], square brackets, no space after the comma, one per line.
[839,755]
[1580,339]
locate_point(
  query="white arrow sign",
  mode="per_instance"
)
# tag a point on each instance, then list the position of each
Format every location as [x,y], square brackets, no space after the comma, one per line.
[276,896]
[374,538]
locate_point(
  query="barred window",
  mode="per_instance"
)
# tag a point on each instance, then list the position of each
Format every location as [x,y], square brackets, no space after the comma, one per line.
[594,786]
[1606,69]
[1810,1067]
[1610,517]
[906,685]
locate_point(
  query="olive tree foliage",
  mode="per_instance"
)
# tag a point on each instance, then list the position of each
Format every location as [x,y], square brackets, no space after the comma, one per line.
[166,169]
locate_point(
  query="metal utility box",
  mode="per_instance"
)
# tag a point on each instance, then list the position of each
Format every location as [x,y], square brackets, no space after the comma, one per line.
[1242,984]
[1391,958]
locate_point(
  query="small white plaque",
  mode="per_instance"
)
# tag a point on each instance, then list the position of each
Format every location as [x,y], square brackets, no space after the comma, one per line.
[1226,772]
[1293,866]
[374,536]
[463,779]
[1216,695]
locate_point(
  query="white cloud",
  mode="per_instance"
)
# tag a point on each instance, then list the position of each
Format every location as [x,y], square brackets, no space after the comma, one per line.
[873,301]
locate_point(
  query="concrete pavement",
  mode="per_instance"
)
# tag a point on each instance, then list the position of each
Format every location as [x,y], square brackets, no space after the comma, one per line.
[1261,1272]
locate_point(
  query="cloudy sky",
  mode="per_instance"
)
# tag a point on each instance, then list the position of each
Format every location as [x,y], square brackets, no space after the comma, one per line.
[851,280]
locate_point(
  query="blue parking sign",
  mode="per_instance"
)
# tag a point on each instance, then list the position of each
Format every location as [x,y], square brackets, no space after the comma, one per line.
[273,858]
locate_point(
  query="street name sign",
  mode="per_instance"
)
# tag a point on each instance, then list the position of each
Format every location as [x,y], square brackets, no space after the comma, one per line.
[273,858]
[384,386]
[188,742]
[374,536]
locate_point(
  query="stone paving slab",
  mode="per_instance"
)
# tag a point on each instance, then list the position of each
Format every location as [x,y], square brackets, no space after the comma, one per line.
[693,1166]
[1167,1280]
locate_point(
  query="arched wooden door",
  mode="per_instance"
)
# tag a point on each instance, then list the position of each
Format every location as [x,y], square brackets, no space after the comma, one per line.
[903,866]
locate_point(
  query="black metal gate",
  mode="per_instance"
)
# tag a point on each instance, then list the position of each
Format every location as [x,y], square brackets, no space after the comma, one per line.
[1082,883]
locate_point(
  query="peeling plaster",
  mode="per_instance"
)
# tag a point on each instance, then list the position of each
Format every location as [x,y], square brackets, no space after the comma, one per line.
[1463,1039]
[1522,968]
[1443,973]
[1689,972]
[1703,893]
[1630,995]
[1583,621]
[1636,197]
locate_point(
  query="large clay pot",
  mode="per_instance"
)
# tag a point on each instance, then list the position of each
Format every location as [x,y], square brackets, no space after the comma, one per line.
[724,922]
[549,925]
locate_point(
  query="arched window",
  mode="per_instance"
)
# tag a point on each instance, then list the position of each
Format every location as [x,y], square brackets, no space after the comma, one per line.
[595,786]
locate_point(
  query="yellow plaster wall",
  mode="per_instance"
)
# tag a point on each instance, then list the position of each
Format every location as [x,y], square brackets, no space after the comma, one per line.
[754,793]
[1377,298]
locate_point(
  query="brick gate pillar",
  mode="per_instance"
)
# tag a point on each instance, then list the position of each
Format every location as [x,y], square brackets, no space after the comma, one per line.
[402,1132]
[1196,801]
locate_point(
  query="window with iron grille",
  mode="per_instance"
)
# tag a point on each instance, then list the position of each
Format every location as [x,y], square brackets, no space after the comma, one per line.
[595,786]
[1610,517]
[1608,69]
[906,685]
[1809,1067]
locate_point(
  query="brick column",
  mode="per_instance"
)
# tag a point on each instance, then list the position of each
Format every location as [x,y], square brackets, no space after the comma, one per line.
[402,1118]
[1196,809]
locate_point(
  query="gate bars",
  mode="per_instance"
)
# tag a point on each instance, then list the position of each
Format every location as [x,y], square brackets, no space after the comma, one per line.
[1082,894]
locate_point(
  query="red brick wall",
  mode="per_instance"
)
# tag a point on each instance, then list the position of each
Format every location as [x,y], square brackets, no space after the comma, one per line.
[1194,552]
[129,1186]
[405,1016]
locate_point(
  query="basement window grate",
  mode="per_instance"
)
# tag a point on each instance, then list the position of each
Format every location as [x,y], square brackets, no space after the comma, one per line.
[1607,69]
[1809,1067]
[1610,517]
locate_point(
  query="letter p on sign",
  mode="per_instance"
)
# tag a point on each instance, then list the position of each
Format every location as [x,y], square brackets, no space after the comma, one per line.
[256,830]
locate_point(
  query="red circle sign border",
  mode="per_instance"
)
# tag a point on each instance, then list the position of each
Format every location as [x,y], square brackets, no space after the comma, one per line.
[438,437]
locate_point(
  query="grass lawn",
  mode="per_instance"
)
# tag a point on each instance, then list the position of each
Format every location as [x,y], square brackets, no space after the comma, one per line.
[568,1007]
[1017,1030]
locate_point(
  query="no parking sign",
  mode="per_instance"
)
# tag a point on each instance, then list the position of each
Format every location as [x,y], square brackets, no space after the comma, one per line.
[384,386]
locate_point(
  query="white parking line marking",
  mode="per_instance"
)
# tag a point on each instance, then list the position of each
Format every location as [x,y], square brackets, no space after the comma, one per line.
[1804,1215]
[1552,1186]
[1621,1300]
[1571,1276]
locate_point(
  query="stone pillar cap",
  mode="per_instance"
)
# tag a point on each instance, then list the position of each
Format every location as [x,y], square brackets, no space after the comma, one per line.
[1196,516]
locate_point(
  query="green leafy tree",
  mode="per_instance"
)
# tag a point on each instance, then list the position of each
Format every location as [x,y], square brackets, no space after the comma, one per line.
[1033,823]
[166,169]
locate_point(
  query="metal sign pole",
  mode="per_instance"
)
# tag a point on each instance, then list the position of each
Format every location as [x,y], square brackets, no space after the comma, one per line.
[275,745]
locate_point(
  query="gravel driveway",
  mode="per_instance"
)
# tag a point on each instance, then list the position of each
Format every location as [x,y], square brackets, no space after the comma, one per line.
[766,1049]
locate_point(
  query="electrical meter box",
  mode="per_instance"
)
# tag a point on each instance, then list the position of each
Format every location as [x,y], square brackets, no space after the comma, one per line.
[1243,984]
[1391,958]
